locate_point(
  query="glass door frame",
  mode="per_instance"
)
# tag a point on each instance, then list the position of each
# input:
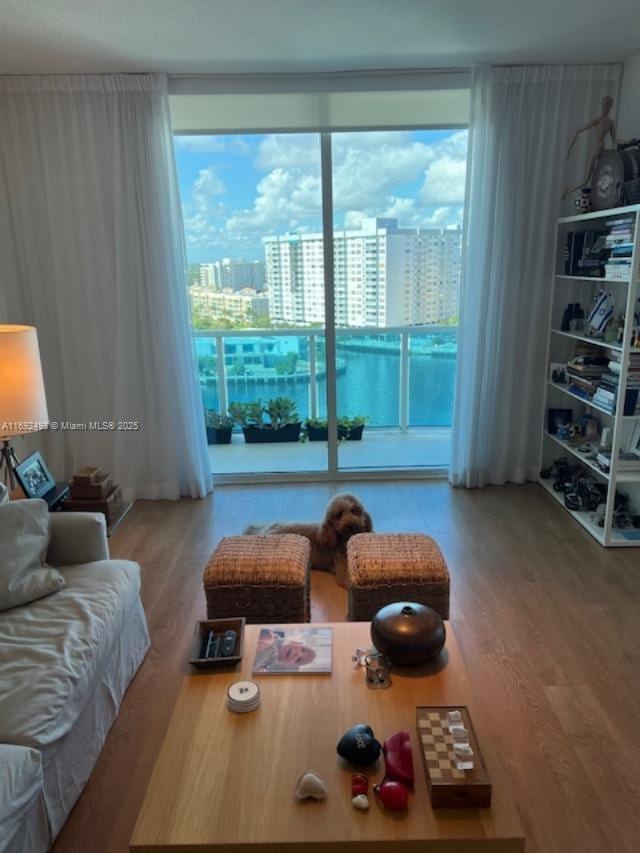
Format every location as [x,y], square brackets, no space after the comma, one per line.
[333,472]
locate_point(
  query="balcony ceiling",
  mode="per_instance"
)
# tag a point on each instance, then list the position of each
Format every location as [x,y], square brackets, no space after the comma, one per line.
[249,36]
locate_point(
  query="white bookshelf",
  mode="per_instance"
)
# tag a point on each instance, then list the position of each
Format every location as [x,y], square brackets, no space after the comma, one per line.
[560,344]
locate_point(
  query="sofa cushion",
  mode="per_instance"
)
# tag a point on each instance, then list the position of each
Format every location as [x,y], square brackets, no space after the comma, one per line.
[24,539]
[20,783]
[52,651]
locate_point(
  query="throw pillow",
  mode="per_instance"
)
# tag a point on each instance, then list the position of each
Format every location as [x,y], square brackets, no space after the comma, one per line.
[24,539]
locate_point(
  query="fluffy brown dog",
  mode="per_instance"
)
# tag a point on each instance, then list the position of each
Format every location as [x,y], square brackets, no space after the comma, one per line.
[344,517]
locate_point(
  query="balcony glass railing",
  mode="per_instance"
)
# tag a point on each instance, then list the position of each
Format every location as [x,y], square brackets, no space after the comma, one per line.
[397,377]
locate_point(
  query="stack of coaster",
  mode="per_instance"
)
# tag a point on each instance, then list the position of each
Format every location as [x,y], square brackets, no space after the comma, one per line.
[243,696]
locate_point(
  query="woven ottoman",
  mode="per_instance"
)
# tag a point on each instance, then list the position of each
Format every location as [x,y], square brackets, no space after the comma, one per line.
[263,578]
[388,567]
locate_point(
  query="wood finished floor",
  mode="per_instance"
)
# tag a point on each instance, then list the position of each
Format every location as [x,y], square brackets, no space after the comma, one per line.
[547,620]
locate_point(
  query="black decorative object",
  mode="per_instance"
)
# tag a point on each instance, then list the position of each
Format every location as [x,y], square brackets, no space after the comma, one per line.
[408,633]
[359,746]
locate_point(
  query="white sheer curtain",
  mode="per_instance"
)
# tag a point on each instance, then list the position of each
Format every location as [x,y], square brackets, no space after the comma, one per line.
[92,254]
[521,124]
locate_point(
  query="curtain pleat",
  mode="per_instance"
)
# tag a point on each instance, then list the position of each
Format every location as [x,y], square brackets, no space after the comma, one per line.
[522,119]
[92,253]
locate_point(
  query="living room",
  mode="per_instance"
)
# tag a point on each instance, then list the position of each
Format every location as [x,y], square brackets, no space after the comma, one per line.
[320,444]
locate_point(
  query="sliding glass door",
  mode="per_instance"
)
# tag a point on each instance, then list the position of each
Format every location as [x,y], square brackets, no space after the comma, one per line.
[324,285]
[397,216]
[252,209]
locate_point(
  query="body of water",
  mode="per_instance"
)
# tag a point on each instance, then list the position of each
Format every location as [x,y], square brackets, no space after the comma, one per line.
[368,385]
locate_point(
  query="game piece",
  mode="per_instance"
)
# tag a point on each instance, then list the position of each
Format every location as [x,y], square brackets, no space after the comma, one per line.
[450,786]
[460,734]
[454,717]
[464,756]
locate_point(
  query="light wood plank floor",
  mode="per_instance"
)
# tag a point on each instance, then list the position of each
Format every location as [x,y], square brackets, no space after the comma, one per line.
[548,622]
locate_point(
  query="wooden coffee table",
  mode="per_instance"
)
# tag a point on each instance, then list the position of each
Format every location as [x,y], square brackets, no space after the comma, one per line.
[224,782]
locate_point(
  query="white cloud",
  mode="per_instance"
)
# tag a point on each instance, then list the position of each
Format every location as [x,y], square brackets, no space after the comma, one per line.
[289,151]
[284,198]
[444,181]
[200,144]
[206,186]
[389,174]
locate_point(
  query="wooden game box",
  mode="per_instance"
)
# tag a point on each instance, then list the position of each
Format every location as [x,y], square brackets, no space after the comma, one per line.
[450,788]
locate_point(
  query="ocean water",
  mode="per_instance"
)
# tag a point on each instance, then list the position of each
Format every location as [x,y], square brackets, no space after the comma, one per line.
[368,384]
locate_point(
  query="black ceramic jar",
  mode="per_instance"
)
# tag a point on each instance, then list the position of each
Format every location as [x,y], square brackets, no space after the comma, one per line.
[408,633]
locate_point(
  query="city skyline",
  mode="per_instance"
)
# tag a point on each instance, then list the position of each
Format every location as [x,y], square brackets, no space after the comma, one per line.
[238,189]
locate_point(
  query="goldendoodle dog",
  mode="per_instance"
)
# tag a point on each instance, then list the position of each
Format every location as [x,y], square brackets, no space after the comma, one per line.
[345,515]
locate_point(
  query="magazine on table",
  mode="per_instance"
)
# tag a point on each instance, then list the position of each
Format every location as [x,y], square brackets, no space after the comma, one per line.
[284,650]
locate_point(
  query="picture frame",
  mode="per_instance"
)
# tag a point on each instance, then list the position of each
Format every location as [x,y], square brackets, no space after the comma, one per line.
[633,445]
[34,477]
[557,418]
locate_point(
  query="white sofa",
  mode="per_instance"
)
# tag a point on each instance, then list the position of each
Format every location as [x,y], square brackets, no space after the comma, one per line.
[65,663]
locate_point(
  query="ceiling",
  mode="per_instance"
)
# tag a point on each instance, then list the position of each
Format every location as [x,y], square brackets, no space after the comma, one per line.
[236,36]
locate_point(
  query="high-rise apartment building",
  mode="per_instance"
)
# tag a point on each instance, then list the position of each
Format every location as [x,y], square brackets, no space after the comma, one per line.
[233,273]
[384,275]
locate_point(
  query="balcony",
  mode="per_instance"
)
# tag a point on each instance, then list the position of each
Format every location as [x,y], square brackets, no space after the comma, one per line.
[401,379]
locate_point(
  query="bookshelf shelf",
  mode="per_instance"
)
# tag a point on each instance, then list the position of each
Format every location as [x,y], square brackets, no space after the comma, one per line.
[592,278]
[612,213]
[583,400]
[587,340]
[597,225]
[573,451]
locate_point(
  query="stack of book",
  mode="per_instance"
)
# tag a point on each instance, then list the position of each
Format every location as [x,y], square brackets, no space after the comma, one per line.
[584,370]
[626,461]
[619,241]
[607,392]
[632,393]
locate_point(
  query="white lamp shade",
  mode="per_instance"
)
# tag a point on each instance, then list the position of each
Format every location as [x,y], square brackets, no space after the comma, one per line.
[23,404]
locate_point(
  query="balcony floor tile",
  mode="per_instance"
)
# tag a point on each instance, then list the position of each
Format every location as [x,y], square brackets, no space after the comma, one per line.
[380,448]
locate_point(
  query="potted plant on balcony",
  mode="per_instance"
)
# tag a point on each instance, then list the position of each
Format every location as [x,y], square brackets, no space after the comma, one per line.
[349,429]
[352,428]
[283,423]
[218,427]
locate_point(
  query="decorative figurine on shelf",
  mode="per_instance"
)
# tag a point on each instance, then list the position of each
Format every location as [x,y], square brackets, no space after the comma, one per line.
[602,126]
[583,204]
[311,786]
[360,791]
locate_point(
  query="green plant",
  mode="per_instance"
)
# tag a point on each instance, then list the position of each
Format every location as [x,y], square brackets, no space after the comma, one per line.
[318,423]
[246,414]
[216,421]
[281,411]
[354,421]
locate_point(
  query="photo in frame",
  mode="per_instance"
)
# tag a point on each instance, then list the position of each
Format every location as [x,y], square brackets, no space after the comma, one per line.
[34,477]
[557,418]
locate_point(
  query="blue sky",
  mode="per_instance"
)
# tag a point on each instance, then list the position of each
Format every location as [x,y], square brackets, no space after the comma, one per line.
[237,189]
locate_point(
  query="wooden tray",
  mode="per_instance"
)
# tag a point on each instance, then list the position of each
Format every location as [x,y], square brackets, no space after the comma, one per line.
[450,788]
[219,626]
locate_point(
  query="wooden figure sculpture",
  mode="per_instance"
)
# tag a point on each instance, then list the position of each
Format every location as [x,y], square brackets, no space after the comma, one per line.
[602,126]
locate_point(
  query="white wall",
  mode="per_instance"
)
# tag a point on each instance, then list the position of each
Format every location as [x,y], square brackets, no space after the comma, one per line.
[629,107]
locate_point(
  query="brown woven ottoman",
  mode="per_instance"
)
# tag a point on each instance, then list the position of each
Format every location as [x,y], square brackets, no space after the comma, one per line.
[388,567]
[263,578]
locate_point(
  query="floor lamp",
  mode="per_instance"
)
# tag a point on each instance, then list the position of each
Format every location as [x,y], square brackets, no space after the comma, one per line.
[23,404]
